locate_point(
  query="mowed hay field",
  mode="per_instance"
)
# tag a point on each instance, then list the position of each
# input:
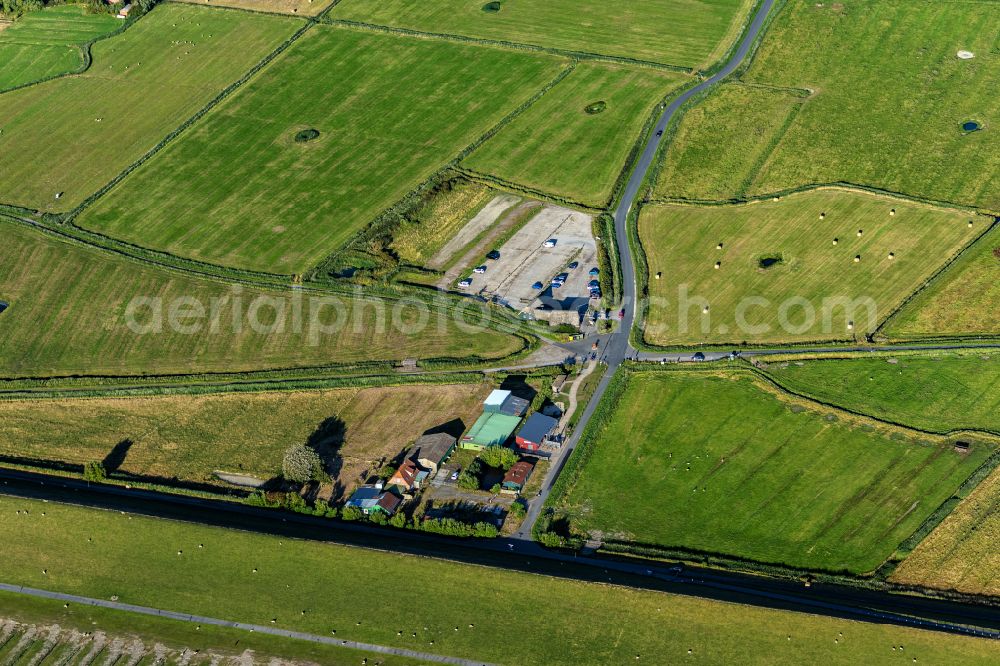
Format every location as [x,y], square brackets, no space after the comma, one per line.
[258,579]
[961,301]
[715,463]
[559,148]
[961,553]
[69,314]
[934,393]
[300,7]
[74,134]
[278,205]
[723,140]
[191,436]
[816,288]
[890,96]
[46,43]
[689,33]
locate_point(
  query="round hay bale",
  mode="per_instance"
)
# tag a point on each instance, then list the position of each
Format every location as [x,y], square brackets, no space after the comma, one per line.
[892,212]
[860,231]
[857,258]
[718,265]
[892,255]
[965,55]
[836,240]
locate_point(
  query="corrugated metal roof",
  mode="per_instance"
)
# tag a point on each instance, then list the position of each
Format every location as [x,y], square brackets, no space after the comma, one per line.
[491,428]
[537,427]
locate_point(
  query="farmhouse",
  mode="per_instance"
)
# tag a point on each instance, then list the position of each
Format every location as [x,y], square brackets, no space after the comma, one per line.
[517,476]
[504,402]
[124,11]
[372,499]
[431,450]
[407,478]
[535,431]
[490,429]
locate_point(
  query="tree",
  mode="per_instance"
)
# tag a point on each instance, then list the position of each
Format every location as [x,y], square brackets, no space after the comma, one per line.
[301,464]
[351,513]
[499,456]
[94,471]
[518,509]
[469,478]
[398,520]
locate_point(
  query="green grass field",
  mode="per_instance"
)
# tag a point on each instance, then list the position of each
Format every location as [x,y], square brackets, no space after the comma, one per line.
[960,301]
[189,437]
[816,289]
[68,315]
[890,98]
[690,33]
[559,148]
[723,140]
[961,553]
[300,7]
[76,133]
[935,393]
[711,462]
[320,588]
[46,43]
[282,206]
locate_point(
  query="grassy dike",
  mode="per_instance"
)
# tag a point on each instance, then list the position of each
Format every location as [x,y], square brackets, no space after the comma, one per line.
[320,588]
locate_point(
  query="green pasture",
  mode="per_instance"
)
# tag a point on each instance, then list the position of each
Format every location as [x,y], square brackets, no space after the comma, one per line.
[815,289]
[557,147]
[888,98]
[238,190]
[714,463]
[934,393]
[723,140]
[45,43]
[690,33]
[466,611]
[74,134]
[962,301]
[69,314]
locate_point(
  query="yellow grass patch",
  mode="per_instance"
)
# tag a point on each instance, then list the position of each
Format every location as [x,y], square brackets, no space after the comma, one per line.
[300,7]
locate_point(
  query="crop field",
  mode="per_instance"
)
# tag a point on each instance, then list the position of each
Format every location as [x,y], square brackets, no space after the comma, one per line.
[791,270]
[586,622]
[565,146]
[690,33]
[890,99]
[713,463]
[934,393]
[961,553]
[281,205]
[960,301]
[191,436]
[69,314]
[723,140]
[46,43]
[74,134]
[300,7]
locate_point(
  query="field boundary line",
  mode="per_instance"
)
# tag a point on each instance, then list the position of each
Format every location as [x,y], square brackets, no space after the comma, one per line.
[517,188]
[500,43]
[758,167]
[69,217]
[260,629]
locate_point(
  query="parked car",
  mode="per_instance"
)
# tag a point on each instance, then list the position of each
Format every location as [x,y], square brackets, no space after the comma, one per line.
[573,264]
[454,475]
[494,255]
[479,270]
[557,284]
[595,271]
[593,284]
[595,293]
[464,284]
[698,356]
[538,285]
[562,277]
[550,242]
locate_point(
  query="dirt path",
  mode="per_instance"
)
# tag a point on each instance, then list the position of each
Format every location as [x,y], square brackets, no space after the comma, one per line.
[482,221]
[564,421]
[513,216]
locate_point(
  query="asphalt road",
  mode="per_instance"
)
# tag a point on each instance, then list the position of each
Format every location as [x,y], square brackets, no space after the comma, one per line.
[826,599]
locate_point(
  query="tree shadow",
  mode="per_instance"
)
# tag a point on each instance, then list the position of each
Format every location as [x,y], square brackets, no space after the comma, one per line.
[519,386]
[454,428]
[116,456]
[326,440]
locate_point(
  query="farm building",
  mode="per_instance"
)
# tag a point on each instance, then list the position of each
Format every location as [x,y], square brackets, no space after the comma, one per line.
[517,476]
[124,11]
[372,499]
[408,477]
[535,431]
[490,429]
[431,450]
[504,402]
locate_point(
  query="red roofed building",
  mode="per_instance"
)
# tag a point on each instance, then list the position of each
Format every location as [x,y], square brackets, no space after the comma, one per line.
[408,477]
[517,476]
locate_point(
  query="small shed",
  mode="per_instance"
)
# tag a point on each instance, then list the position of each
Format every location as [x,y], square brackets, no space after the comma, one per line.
[517,476]
[535,431]
[372,499]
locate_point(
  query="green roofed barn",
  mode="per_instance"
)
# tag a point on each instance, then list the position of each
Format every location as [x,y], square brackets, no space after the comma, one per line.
[490,429]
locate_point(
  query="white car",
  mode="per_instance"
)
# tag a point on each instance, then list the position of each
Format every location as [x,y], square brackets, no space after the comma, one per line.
[466,283]
[479,270]
[550,242]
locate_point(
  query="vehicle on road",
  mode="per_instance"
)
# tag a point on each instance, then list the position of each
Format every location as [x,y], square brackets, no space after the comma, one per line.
[593,284]
[479,270]
[494,255]
[550,242]
[698,356]
[466,283]
[595,271]
[659,133]
[537,285]
[573,264]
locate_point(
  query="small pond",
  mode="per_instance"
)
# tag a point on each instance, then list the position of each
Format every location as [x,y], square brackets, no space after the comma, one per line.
[970,126]
[307,135]
[770,260]
[491,7]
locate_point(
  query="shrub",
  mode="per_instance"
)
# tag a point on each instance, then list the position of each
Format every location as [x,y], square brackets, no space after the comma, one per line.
[491,7]
[94,471]
[518,509]
[595,108]
[306,135]
[351,513]
[301,464]
[499,457]
[398,520]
